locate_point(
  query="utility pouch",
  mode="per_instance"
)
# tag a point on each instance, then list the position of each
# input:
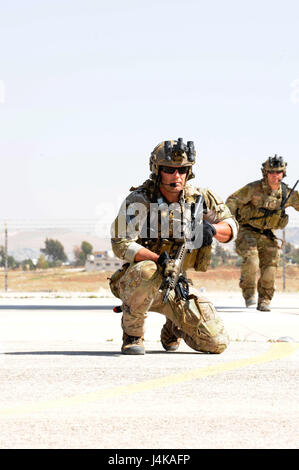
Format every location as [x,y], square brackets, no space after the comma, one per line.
[115,278]
[203,258]
[199,259]
[283,222]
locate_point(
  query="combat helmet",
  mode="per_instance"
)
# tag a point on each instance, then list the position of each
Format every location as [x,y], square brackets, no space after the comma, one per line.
[172,153]
[274,163]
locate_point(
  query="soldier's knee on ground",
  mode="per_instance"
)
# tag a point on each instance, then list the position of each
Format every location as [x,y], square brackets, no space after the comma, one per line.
[201,327]
[216,345]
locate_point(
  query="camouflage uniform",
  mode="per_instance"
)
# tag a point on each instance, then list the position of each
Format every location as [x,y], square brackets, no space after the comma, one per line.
[138,283]
[256,243]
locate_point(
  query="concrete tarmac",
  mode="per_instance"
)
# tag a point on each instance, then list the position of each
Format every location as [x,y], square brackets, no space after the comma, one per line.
[65,384]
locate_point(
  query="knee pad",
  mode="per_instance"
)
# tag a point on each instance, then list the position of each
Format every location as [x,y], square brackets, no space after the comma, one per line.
[251,263]
[267,280]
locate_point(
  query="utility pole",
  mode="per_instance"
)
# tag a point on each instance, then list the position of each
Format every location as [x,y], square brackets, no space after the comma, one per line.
[283,261]
[5,258]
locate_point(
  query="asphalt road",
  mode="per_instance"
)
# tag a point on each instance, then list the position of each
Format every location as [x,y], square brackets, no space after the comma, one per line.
[65,385]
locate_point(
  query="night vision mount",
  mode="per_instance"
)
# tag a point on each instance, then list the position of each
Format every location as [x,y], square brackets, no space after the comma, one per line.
[276,161]
[178,149]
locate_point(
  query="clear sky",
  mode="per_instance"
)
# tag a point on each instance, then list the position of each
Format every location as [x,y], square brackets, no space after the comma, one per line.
[88,88]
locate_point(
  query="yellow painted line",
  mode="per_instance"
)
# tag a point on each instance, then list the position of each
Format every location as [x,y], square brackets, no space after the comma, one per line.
[275,352]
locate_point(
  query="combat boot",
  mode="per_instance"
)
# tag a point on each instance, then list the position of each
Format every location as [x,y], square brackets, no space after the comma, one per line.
[169,340]
[250,301]
[263,306]
[132,345]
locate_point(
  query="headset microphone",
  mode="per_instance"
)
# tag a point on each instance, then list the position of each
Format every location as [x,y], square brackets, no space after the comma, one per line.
[173,185]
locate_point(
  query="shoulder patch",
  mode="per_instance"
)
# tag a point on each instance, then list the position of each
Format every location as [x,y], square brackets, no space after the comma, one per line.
[212,196]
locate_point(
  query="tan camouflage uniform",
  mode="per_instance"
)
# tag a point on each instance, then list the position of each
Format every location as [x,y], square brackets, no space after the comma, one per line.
[194,319]
[256,243]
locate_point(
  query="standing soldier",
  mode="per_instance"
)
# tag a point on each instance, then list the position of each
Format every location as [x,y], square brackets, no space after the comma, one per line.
[259,207]
[152,256]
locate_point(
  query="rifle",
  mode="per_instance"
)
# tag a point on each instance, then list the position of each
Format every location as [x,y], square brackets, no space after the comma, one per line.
[291,192]
[176,281]
[268,212]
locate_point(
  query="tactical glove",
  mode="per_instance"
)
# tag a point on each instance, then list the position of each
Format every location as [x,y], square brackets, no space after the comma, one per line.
[208,233]
[166,263]
[163,259]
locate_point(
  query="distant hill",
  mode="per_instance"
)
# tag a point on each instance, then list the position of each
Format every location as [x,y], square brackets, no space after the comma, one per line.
[27,244]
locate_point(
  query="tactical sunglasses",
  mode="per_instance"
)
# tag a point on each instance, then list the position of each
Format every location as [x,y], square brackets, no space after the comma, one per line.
[275,171]
[171,169]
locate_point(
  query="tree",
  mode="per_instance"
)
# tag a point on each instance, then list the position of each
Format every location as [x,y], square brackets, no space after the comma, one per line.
[87,248]
[54,251]
[219,256]
[82,252]
[11,262]
[28,264]
[291,253]
[42,263]
[2,256]
[221,253]
[288,248]
[296,256]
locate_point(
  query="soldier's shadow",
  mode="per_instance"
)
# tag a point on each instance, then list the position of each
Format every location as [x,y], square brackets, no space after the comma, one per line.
[92,353]
[63,353]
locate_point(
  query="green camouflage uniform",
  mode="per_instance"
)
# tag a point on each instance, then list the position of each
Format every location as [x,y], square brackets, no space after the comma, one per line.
[256,242]
[137,285]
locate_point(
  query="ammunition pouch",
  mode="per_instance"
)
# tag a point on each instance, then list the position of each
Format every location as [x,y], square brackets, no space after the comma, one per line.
[115,278]
[199,259]
[265,218]
[273,221]
[282,222]
[158,245]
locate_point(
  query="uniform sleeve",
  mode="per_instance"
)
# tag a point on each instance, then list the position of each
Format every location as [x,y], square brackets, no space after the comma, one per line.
[218,211]
[294,201]
[238,199]
[127,227]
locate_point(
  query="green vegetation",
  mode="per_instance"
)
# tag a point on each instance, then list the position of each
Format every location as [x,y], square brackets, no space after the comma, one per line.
[220,256]
[11,262]
[53,255]
[54,251]
[82,252]
[291,253]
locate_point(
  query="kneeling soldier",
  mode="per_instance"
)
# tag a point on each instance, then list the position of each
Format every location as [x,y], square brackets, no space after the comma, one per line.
[152,256]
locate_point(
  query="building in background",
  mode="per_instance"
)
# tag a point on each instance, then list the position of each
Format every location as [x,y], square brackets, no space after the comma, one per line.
[102,261]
